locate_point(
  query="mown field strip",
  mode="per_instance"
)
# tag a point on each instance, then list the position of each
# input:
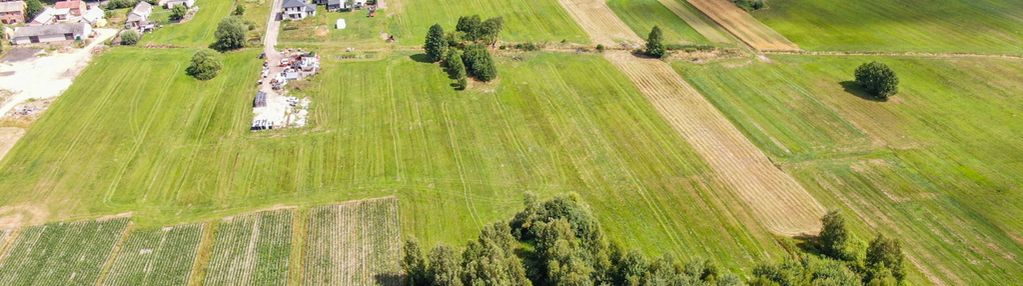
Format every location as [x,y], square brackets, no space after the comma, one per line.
[252,249]
[163,256]
[779,202]
[745,27]
[603,26]
[62,253]
[708,29]
[355,243]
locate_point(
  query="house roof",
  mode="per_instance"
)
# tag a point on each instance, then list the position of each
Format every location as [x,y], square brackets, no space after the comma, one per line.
[51,29]
[143,8]
[333,2]
[310,7]
[293,4]
[45,16]
[12,6]
[68,4]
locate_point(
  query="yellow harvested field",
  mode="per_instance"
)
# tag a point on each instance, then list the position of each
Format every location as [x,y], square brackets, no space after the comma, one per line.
[745,27]
[708,29]
[603,26]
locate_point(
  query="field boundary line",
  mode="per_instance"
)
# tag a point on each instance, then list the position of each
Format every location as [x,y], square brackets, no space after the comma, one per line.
[756,34]
[704,28]
[897,54]
[104,270]
[203,251]
[297,256]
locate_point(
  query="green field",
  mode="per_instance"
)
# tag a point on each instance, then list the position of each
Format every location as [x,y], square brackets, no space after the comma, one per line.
[318,32]
[977,26]
[356,243]
[535,21]
[643,15]
[252,250]
[197,32]
[61,253]
[936,166]
[158,256]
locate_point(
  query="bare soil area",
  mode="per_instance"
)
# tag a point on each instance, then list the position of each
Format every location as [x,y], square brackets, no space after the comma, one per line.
[745,27]
[603,26]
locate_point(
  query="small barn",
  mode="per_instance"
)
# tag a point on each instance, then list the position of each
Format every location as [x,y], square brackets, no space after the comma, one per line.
[60,32]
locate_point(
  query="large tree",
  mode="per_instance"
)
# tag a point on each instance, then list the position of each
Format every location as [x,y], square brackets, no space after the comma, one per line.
[205,65]
[491,259]
[230,34]
[834,238]
[470,25]
[33,8]
[877,79]
[444,269]
[885,254]
[178,12]
[479,63]
[435,45]
[655,43]
[415,265]
[456,68]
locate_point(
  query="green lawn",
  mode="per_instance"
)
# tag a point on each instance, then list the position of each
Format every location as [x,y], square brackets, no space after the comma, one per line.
[977,26]
[937,166]
[197,32]
[149,139]
[643,15]
[533,21]
[318,32]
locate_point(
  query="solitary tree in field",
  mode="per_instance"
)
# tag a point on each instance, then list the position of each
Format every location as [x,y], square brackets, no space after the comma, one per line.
[205,65]
[32,8]
[654,44]
[178,12]
[129,37]
[877,79]
[239,10]
[435,45]
[230,34]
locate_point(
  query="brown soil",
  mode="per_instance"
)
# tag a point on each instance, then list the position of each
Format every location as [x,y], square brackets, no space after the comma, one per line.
[745,27]
[12,217]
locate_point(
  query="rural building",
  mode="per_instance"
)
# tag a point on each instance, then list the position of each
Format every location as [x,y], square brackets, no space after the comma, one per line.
[51,33]
[139,17]
[297,9]
[12,12]
[171,3]
[336,5]
[73,7]
[260,100]
[95,17]
[44,17]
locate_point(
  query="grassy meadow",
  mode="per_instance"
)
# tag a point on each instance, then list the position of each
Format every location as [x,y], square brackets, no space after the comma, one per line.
[936,166]
[535,21]
[176,150]
[643,15]
[197,32]
[978,26]
[318,32]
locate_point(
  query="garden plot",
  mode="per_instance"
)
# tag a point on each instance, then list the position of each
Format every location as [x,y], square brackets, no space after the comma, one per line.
[355,243]
[63,253]
[252,250]
[163,256]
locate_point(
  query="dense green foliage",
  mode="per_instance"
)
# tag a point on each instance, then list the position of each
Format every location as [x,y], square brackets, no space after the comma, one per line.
[253,247]
[205,65]
[877,79]
[655,44]
[478,63]
[120,4]
[230,34]
[32,9]
[129,37]
[474,29]
[435,45]
[60,253]
[884,258]
[170,251]
[834,238]
[456,68]
[239,10]
[178,12]
[750,5]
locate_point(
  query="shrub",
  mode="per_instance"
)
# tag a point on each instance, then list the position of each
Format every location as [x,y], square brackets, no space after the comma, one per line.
[456,68]
[178,12]
[205,65]
[877,79]
[528,46]
[230,34]
[118,4]
[654,44]
[478,63]
[129,37]
[750,5]
[601,48]
[435,44]
[33,8]
[239,10]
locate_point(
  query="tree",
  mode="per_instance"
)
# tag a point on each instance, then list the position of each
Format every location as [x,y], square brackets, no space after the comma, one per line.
[834,237]
[239,10]
[654,44]
[444,269]
[129,37]
[230,34]
[885,254]
[470,25]
[205,65]
[490,29]
[456,68]
[491,260]
[563,259]
[877,79]
[479,64]
[178,12]
[33,8]
[435,44]
[415,265]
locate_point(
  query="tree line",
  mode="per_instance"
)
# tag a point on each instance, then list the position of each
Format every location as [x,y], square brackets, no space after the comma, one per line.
[560,242]
[464,52]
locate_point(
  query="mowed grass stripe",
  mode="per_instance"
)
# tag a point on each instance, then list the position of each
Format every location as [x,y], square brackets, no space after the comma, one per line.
[537,21]
[198,32]
[643,15]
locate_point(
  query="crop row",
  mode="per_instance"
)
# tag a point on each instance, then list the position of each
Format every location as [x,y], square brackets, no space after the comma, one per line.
[156,257]
[252,250]
[65,253]
[354,243]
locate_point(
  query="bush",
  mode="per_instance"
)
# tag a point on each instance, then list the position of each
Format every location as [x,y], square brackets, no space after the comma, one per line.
[118,4]
[601,48]
[230,34]
[456,68]
[654,44]
[750,5]
[479,64]
[178,12]
[33,8]
[129,37]
[239,10]
[877,79]
[205,65]
[528,46]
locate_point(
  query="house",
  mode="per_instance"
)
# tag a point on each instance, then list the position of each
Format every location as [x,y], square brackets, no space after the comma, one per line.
[61,14]
[95,17]
[358,4]
[60,32]
[12,12]
[45,17]
[139,17]
[74,7]
[337,5]
[171,3]
[297,9]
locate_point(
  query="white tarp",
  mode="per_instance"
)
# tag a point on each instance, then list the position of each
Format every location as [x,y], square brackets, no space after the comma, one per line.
[340,24]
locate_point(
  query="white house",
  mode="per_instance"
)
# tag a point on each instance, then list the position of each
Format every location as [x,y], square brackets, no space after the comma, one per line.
[45,17]
[139,17]
[49,33]
[297,9]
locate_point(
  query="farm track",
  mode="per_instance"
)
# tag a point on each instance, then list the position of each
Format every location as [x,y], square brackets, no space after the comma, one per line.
[603,26]
[776,199]
[741,24]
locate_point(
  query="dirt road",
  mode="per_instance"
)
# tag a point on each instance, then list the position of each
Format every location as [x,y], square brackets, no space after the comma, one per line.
[775,198]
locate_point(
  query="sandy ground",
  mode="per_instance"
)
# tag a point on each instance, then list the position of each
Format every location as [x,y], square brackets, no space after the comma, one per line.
[9,136]
[46,76]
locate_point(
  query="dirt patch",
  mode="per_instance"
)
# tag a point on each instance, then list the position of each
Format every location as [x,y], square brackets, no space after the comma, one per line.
[775,198]
[745,27]
[9,136]
[603,26]
[12,217]
[19,54]
[321,31]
